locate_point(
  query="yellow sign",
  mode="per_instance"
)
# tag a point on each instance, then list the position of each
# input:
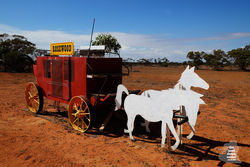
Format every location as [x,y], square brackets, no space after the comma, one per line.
[66,48]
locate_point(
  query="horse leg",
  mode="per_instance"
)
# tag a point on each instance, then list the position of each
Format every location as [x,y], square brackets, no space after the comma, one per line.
[163,133]
[191,133]
[146,124]
[172,129]
[130,125]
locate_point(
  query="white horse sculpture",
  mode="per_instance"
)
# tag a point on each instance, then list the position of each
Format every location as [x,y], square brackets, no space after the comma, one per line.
[188,79]
[158,109]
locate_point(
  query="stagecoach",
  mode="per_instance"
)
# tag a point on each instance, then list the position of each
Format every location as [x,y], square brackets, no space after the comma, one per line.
[85,83]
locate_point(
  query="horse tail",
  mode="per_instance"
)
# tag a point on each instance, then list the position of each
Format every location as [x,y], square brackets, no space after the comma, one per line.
[118,99]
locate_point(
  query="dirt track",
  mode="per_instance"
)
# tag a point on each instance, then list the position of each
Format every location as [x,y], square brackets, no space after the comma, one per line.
[48,140]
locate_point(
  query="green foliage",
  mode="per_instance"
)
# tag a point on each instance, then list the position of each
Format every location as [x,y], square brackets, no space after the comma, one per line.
[160,61]
[14,51]
[219,58]
[241,56]
[184,63]
[164,62]
[110,42]
[196,58]
[145,61]
[216,60]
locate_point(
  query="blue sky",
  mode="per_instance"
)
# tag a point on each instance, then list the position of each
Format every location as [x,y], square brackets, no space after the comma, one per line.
[150,29]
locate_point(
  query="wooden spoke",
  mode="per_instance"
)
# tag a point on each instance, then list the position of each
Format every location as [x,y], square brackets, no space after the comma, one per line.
[87,118]
[84,114]
[85,109]
[36,101]
[80,107]
[83,124]
[75,120]
[74,107]
[30,95]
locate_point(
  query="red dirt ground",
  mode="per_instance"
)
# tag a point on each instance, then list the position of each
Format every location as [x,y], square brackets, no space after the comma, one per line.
[27,139]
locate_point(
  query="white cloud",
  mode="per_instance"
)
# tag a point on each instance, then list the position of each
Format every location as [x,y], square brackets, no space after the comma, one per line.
[133,45]
[8,29]
[43,38]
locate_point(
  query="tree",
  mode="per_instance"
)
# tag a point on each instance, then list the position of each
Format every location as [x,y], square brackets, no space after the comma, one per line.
[241,56]
[145,61]
[163,62]
[216,60]
[196,58]
[110,42]
[14,53]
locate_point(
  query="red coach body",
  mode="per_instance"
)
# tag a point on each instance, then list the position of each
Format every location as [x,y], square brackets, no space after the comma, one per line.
[86,84]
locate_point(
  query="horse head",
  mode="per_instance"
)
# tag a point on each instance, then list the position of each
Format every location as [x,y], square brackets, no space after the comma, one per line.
[190,78]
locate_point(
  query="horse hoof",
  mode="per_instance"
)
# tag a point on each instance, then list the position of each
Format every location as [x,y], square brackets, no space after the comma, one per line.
[173,148]
[126,131]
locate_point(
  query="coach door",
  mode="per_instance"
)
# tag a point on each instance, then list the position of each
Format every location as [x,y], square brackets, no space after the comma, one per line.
[59,81]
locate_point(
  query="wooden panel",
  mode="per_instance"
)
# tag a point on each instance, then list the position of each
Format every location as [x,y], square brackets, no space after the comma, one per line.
[78,86]
[104,65]
[66,70]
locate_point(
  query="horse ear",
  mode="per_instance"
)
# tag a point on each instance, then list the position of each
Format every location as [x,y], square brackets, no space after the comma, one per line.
[187,68]
[191,69]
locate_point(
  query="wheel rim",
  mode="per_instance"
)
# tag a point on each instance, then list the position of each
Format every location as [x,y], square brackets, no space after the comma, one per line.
[79,114]
[32,97]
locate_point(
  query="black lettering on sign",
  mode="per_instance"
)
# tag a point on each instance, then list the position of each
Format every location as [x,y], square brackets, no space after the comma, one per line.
[61,48]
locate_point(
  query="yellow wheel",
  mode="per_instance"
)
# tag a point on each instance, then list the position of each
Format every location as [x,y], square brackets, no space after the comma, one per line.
[34,97]
[79,113]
